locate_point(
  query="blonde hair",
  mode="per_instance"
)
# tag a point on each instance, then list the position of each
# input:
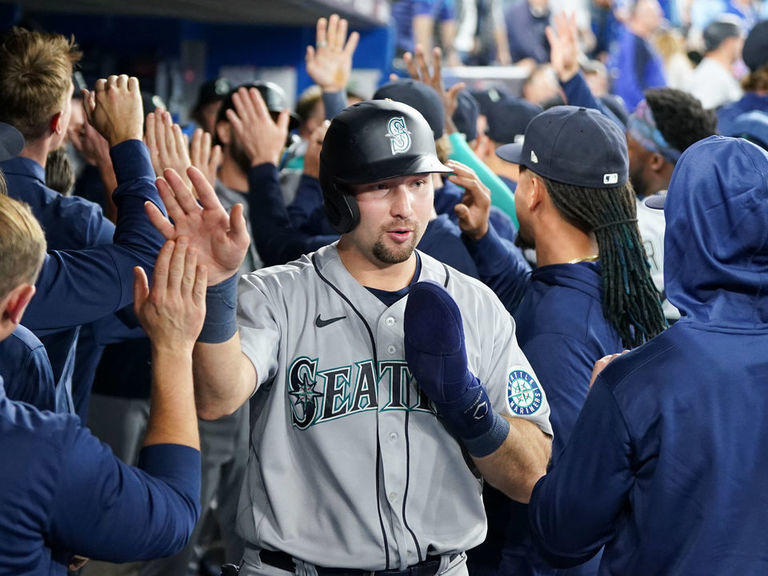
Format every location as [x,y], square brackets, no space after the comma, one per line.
[35,77]
[22,245]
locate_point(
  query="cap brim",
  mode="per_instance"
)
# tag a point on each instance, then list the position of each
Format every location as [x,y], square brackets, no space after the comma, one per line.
[510,152]
[656,202]
[11,142]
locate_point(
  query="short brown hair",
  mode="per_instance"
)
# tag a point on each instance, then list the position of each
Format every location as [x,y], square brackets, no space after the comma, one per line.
[35,75]
[756,81]
[22,245]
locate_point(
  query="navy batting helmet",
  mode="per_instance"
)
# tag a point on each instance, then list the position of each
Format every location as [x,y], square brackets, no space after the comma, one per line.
[368,142]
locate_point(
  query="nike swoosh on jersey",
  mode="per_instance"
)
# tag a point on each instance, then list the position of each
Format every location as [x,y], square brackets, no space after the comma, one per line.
[320,323]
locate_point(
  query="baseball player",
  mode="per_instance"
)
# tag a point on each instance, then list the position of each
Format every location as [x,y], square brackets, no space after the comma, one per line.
[670,468]
[366,364]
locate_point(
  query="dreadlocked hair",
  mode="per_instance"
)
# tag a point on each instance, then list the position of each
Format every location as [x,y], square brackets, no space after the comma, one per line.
[631,302]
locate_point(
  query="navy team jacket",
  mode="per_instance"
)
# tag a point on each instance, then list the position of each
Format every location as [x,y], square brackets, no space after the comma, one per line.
[666,464]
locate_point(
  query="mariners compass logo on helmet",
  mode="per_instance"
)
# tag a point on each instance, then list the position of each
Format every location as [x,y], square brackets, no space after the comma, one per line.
[523,393]
[399,135]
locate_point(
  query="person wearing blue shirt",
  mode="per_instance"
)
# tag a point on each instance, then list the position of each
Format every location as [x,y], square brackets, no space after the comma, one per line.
[64,497]
[591,294]
[755,55]
[36,98]
[635,64]
[669,447]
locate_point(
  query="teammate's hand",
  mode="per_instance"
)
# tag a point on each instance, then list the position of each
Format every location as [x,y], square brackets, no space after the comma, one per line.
[204,157]
[330,63]
[220,239]
[172,313]
[115,109]
[474,210]
[564,46]
[261,137]
[168,147]
[601,364]
[418,68]
[312,156]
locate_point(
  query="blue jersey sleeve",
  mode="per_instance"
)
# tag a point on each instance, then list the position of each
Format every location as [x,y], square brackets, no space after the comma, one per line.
[82,286]
[106,510]
[277,241]
[26,370]
[307,207]
[577,93]
[576,507]
[501,266]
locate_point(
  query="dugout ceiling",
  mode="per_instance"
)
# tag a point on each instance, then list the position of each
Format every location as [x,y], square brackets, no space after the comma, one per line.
[360,13]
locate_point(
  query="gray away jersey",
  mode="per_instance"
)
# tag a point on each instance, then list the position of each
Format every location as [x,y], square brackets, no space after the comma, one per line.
[350,466]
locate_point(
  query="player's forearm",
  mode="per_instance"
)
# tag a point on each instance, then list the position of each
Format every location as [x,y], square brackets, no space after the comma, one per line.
[516,466]
[173,418]
[423,32]
[224,378]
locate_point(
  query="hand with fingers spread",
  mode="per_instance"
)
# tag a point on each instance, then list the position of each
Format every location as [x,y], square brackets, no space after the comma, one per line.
[329,63]
[220,239]
[168,147]
[564,46]
[312,155]
[418,68]
[474,210]
[172,312]
[115,109]
[261,138]
[205,157]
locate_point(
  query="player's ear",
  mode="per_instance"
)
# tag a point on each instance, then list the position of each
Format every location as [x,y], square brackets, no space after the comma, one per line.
[56,125]
[538,191]
[12,308]
[223,133]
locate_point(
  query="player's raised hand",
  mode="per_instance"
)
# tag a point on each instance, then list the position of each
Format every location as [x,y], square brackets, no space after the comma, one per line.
[261,137]
[564,46]
[329,64]
[312,156]
[115,109]
[221,240]
[204,156]
[474,210]
[172,312]
[418,68]
[168,147]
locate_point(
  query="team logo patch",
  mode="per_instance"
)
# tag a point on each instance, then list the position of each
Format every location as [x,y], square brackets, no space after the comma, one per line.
[523,393]
[399,135]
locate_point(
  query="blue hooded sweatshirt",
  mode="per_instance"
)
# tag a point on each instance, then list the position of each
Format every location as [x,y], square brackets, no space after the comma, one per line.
[666,464]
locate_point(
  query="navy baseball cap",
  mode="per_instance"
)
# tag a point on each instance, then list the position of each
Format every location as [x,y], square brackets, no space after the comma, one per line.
[577,146]
[508,117]
[755,51]
[417,95]
[465,115]
[11,142]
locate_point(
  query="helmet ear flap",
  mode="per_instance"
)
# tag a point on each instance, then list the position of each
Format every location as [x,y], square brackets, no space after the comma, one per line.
[340,208]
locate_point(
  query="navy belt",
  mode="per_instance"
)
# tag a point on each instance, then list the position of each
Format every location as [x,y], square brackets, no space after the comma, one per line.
[283,561]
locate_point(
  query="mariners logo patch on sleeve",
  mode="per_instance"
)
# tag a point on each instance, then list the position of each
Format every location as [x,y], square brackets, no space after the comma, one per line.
[523,393]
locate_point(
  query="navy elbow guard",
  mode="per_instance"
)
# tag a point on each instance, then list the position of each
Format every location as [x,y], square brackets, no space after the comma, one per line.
[220,312]
[440,367]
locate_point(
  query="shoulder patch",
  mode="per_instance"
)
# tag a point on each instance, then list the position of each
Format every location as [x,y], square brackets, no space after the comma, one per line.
[523,392]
